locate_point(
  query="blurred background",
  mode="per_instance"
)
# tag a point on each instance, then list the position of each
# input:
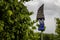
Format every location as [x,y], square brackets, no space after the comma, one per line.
[51,11]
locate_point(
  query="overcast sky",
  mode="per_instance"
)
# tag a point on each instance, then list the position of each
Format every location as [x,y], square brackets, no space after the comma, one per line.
[51,10]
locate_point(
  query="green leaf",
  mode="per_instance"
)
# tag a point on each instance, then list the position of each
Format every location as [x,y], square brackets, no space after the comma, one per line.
[9,12]
[33,27]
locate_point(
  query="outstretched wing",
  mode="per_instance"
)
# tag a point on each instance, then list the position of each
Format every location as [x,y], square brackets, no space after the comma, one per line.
[40,13]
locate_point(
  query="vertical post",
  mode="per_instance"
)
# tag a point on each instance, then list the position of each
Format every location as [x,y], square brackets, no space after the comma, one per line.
[41,35]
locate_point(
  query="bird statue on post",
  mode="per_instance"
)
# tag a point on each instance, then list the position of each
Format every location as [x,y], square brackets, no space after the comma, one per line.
[40,17]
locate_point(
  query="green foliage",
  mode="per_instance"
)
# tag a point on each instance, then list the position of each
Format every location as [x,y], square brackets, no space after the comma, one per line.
[58,28]
[9,12]
[34,36]
[49,36]
[33,27]
[15,21]
[1,25]
[25,0]
[46,37]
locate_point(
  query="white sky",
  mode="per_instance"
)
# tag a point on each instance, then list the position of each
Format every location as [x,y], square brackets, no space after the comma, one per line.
[51,10]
